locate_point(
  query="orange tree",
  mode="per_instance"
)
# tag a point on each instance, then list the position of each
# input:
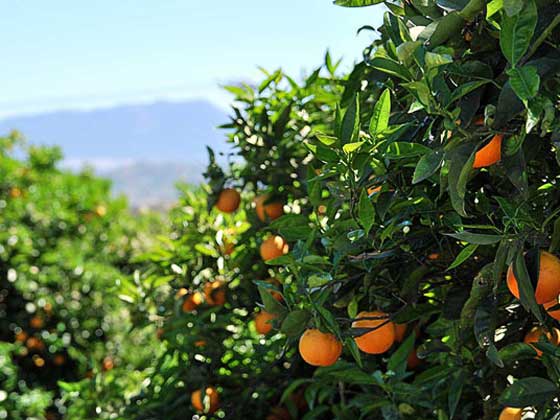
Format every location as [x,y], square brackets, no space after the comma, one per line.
[222,354]
[396,227]
[65,245]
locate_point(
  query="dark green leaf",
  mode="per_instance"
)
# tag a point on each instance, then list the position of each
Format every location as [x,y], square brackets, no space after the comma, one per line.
[463,256]
[524,81]
[517,32]
[295,323]
[528,391]
[427,165]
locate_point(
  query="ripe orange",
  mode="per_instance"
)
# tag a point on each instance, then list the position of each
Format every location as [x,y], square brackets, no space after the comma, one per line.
[413,361]
[15,192]
[510,413]
[269,211]
[273,247]
[200,343]
[548,284]
[36,322]
[275,294]
[373,190]
[181,292]
[400,331]
[228,200]
[261,322]
[192,302]
[479,120]
[208,403]
[554,314]
[318,348]
[215,293]
[489,154]
[59,359]
[108,364]
[379,340]
[21,336]
[34,343]
[433,256]
[535,334]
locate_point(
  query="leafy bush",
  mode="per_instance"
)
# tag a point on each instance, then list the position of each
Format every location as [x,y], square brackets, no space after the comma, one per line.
[65,246]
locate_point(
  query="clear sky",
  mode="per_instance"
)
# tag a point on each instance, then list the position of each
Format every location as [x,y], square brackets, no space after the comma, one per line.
[70,54]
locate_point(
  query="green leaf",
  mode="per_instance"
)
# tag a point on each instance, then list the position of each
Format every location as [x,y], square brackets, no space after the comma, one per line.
[463,256]
[397,361]
[476,238]
[381,112]
[271,305]
[455,391]
[515,352]
[351,147]
[350,344]
[350,122]
[356,3]
[528,391]
[525,82]
[512,7]
[366,212]
[427,165]
[465,89]
[318,280]
[295,323]
[525,282]
[391,67]
[460,160]
[433,60]
[405,149]
[517,32]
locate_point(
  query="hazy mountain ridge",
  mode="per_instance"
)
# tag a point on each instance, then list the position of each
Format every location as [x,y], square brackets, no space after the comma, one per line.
[143,148]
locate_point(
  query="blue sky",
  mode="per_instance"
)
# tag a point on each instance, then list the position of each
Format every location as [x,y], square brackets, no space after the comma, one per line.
[74,54]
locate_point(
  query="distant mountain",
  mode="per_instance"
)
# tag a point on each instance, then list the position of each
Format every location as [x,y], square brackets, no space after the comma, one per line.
[143,148]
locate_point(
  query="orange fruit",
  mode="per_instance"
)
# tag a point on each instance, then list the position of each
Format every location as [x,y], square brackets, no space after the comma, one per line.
[489,154]
[279,413]
[108,364]
[15,192]
[34,343]
[318,348]
[413,361]
[227,247]
[228,200]
[479,120]
[373,190]
[273,247]
[192,302]
[554,314]
[269,211]
[261,322]
[200,343]
[159,333]
[181,292]
[548,284]
[215,293]
[36,322]
[379,340]
[208,403]
[275,294]
[21,336]
[511,413]
[433,256]
[535,334]
[400,331]
[59,359]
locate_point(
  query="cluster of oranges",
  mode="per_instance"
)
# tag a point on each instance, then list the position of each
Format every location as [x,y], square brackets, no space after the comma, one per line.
[213,293]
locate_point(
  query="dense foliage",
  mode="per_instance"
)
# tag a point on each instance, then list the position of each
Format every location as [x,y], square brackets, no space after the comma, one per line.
[373,248]
[65,247]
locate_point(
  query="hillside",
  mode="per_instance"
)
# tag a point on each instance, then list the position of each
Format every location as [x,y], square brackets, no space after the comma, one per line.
[143,148]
